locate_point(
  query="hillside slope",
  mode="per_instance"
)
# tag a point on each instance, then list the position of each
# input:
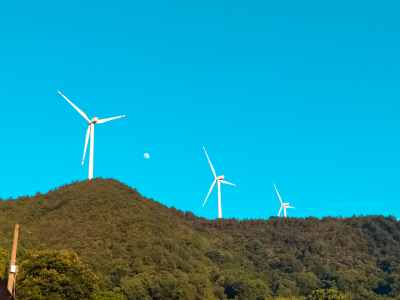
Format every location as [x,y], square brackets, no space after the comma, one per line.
[143,249]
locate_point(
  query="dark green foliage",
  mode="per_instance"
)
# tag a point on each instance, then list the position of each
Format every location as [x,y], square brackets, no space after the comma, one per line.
[144,250]
[4,263]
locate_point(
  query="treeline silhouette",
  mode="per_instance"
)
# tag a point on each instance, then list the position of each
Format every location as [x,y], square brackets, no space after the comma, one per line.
[145,250]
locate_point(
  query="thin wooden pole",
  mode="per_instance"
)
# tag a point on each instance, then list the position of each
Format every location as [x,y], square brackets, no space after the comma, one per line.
[13,257]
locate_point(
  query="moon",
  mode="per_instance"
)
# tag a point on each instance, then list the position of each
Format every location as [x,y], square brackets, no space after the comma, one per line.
[146,155]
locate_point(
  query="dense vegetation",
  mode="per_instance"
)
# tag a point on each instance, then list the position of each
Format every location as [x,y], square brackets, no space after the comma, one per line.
[141,249]
[54,275]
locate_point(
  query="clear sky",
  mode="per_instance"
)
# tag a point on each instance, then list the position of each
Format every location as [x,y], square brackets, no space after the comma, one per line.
[302,93]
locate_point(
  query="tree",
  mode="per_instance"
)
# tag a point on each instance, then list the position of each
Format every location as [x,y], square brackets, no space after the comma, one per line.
[55,275]
[109,296]
[135,288]
[307,282]
[4,259]
[326,294]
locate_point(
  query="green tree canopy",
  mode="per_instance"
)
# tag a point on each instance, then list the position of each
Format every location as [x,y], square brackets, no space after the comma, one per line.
[326,294]
[109,296]
[54,275]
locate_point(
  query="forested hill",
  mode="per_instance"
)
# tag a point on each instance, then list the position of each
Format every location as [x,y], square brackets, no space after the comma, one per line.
[138,246]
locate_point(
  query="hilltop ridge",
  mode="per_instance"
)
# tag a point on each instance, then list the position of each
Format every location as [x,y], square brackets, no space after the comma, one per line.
[138,246]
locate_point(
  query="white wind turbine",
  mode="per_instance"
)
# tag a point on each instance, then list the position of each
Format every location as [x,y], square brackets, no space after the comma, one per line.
[283,205]
[219,180]
[90,132]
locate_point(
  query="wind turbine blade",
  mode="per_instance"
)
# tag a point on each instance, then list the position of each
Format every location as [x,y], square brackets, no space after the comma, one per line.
[109,119]
[278,193]
[289,206]
[87,138]
[79,111]
[209,192]
[210,163]
[227,182]
[280,211]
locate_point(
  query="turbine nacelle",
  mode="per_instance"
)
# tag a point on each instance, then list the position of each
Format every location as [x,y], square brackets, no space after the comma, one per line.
[220,177]
[94,120]
[285,204]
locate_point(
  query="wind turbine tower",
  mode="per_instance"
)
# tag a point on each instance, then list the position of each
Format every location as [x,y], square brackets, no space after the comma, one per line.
[220,180]
[90,132]
[283,205]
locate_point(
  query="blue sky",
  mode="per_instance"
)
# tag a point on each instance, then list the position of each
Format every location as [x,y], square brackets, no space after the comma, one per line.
[302,93]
